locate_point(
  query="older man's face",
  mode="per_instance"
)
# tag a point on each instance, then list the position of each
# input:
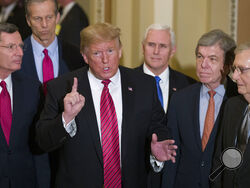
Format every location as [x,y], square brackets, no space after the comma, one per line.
[103,58]
[210,65]
[242,72]
[11,53]
[157,50]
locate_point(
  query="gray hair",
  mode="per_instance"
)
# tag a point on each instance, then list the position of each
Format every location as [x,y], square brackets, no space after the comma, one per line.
[157,26]
[7,28]
[225,42]
[29,2]
[242,47]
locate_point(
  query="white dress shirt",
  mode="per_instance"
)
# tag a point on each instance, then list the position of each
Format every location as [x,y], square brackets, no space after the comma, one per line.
[164,84]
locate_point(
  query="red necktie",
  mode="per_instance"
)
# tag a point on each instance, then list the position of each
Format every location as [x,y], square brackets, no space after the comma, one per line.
[5,111]
[110,140]
[48,72]
[209,120]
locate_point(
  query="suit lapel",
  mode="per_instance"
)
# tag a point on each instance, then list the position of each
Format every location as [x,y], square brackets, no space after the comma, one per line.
[128,91]
[18,104]
[87,114]
[172,83]
[62,64]
[28,60]
[196,115]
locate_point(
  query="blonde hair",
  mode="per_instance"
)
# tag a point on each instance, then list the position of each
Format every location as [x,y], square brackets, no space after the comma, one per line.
[99,32]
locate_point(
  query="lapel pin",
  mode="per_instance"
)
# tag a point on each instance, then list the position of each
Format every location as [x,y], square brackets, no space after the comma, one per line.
[174,89]
[130,88]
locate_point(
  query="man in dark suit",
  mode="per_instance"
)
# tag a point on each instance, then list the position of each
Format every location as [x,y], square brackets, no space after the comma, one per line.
[158,48]
[12,11]
[234,131]
[73,20]
[42,17]
[21,164]
[194,112]
[77,119]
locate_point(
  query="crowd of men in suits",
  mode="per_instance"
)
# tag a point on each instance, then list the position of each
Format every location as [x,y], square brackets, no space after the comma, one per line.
[71,116]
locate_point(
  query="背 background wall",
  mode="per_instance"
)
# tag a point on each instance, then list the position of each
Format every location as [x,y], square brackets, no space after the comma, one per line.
[189,20]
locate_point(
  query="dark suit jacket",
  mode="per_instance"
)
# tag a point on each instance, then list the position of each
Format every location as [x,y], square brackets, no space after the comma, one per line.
[80,159]
[192,166]
[231,123]
[177,80]
[69,59]
[72,24]
[20,162]
[17,17]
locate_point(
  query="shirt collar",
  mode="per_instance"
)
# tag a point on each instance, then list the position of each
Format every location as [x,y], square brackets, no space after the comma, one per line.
[38,48]
[115,80]
[220,90]
[8,82]
[164,75]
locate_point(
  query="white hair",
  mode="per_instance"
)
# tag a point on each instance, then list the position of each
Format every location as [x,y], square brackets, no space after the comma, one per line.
[158,26]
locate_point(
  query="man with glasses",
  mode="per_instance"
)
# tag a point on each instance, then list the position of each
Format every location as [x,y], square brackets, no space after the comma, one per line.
[21,164]
[235,127]
[194,112]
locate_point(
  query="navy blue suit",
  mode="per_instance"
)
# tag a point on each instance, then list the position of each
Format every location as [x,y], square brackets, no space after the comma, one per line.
[21,164]
[192,165]
[69,59]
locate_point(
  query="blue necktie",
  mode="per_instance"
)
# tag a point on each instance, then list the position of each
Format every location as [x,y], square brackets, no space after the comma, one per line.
[157,79]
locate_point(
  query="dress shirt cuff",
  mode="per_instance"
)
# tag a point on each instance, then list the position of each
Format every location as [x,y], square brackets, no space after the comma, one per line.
[70,127]
[156,165]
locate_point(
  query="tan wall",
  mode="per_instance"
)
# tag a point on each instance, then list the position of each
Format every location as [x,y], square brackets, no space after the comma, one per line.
[243,21]
[189,19]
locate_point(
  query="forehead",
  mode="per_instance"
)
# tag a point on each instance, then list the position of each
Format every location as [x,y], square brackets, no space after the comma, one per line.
[41,8]
[10,37]
[213,50]
[104,45]
[162,36]
[242,58]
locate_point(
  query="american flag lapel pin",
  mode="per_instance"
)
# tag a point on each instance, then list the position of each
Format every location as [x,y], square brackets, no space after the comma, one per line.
[174,89]
[130,88]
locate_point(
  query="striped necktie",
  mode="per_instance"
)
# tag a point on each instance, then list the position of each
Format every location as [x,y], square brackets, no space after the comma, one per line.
[5,111]
[110,139]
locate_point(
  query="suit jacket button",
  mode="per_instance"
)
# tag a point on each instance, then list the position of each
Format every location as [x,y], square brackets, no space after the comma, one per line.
[202,163]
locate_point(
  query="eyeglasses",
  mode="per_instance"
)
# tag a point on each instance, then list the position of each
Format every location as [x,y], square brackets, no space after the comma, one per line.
[240,70]
[12,47]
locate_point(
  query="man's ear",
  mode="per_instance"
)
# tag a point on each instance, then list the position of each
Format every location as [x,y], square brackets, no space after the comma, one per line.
[85,58]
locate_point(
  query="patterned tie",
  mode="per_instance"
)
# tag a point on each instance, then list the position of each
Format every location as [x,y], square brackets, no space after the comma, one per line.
[110,140]
[158,79]
[209,120]
[48,72]
[242,139]
[5,111]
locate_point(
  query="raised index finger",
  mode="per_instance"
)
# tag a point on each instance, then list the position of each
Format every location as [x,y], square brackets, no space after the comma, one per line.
[75,85]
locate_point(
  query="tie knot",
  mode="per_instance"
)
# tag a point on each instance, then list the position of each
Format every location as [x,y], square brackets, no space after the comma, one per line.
[158,79]
[3,85]
[45,51]
[106,82]
[211,93]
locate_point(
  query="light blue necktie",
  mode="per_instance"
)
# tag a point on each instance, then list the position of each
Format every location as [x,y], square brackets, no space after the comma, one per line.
[157,79]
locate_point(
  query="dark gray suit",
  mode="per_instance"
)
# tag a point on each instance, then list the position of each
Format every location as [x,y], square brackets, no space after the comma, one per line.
[232,119]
